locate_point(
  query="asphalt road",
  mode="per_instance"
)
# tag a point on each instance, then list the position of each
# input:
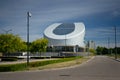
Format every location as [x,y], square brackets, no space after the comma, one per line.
[99,68]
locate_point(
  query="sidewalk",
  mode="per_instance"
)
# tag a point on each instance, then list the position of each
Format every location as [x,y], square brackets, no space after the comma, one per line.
[118,59]
[22,61]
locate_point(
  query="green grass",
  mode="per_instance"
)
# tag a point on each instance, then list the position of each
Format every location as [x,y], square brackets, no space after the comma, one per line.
[13,67]
[23,66]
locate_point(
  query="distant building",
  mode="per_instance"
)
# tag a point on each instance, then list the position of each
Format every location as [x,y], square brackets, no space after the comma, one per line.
[91,45]
[65,36]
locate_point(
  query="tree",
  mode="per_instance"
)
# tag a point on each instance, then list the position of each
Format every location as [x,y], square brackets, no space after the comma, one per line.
[105,51]
[39,45]
[11,43]
[92,51]
[99,50]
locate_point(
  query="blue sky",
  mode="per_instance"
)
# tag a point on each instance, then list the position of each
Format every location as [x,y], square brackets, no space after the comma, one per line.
[99,17]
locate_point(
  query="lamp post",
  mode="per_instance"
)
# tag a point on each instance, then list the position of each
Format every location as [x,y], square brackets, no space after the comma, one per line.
[115,44]
[108,45]
[7,31]
[65,43]
[28,16]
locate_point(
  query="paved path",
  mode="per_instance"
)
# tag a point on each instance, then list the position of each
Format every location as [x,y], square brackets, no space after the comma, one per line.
[99,68]
[24,61]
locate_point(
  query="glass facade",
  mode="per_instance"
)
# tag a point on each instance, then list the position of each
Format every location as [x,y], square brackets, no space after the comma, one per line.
[64,29]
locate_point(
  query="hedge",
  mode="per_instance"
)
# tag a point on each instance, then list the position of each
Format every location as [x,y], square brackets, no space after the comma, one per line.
[13,67]
[9,58]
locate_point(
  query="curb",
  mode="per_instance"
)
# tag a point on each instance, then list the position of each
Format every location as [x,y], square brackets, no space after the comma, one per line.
[114,59]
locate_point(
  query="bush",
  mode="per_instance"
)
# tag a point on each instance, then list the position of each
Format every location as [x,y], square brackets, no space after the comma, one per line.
[13,67]
[40,57]
[9,59]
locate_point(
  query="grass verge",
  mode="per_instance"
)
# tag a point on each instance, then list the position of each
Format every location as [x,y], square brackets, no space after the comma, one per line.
[68,63]
[38,65]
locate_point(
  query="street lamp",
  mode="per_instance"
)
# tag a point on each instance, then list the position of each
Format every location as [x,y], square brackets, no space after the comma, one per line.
[65,42]
[108,45]
[7,31]
[28,16]
[115,44]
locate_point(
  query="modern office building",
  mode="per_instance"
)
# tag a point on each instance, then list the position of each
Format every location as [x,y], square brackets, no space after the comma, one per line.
[91,45]
[66,36]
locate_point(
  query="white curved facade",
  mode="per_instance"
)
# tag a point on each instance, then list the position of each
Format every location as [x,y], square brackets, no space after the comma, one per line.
[60,34]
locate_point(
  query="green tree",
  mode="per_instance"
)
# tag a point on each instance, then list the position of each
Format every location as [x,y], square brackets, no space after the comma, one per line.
[105,51]
[92,51]
[11,43]
[39,45]
[99,50]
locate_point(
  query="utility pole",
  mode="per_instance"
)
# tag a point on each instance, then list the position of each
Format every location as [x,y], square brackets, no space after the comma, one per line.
[115,44]
[7,31]
[28,16]
[65,43]
[108,45]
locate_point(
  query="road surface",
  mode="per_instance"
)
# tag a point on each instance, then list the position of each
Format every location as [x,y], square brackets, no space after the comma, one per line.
[99,68]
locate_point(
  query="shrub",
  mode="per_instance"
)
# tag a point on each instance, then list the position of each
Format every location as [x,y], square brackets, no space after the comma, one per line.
[9,59]
[13,67]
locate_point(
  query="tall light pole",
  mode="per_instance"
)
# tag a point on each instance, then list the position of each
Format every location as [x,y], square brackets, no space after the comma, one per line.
[7,31]
[115,44]
[108,45]
[65,43]
[28,16]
